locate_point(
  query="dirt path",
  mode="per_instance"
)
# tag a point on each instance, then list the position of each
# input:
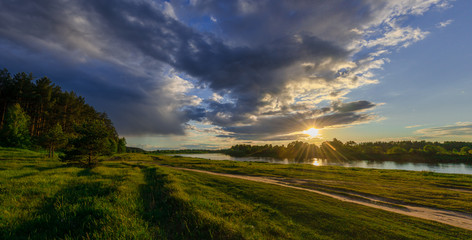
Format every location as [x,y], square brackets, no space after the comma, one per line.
[452,218]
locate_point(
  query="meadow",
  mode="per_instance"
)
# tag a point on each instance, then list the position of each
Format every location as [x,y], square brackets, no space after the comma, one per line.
[438,190]
[134,196]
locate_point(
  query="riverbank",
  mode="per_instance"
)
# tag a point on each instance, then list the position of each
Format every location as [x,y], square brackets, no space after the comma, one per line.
[455,168]
[400,158]
[437,190]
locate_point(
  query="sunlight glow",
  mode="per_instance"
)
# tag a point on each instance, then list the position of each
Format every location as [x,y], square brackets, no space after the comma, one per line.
[312,132]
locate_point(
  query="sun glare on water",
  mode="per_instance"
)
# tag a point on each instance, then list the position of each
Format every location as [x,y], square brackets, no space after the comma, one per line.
[312,132]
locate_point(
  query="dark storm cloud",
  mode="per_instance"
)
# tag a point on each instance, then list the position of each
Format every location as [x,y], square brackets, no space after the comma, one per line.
[251,73]
[259,21]
[112,32]
[113,54]
[142,111]
[126,57]
[353,106]
[344,118]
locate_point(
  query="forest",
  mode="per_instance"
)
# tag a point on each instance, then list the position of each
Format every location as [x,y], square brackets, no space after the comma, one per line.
[38,114]
[421,151]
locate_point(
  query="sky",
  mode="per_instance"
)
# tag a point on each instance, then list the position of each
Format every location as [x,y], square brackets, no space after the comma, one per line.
[209,74]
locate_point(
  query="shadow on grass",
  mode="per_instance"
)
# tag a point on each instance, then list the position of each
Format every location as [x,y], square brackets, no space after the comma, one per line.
[86,172]
[25,175]
[39,168]
[73,212]
[116,178]
[134,165]
[175,217]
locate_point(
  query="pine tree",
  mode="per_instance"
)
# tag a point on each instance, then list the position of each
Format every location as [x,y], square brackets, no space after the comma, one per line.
[121,145]
[53,139]
[91,142]
[15,132]
[37,111]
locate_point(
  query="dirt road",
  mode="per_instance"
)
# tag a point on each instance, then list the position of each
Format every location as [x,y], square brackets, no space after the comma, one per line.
[452,218]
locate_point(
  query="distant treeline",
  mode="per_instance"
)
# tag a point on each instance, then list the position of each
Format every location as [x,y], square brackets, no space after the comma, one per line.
[34,112]
[186,151]
[421,151]
[135,150]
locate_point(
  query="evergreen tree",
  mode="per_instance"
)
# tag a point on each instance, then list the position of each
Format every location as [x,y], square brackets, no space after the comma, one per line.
[91,142]
[15,132]
[53,139]
[121,145]
[44,107]
[6,91]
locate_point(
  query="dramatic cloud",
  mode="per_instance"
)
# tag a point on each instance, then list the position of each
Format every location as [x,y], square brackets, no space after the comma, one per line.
[289,126]
[255,69]
[456,130]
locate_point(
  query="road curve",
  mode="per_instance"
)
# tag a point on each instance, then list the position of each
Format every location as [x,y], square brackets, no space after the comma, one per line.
[456,219]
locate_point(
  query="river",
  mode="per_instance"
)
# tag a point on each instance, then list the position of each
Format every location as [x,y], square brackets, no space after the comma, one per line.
[457,168]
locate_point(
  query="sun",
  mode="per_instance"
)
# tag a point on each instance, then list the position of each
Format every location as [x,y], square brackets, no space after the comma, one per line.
[312,132]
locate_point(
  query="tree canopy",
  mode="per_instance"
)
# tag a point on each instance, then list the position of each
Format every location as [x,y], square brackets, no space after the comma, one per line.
[90,142]
[35,112]
[15,130]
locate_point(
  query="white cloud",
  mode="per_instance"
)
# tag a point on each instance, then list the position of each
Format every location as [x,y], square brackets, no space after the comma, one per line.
[397,36]
[456,130]
[177,88]
[216,97]
[414,126]
[444,24]
[390,10]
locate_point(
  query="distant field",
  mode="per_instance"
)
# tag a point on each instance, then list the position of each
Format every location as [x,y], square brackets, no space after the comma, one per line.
[131,198]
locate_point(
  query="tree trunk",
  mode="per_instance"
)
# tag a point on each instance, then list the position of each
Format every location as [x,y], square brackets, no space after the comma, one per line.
[32,126]
[64,118]
[38,121]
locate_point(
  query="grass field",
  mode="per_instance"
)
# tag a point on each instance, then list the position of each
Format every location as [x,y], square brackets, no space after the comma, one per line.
[128,197]
[444,191]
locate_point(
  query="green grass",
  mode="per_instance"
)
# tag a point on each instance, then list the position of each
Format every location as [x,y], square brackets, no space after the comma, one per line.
[445,191]
[47,199]
[129,197]
[264,211]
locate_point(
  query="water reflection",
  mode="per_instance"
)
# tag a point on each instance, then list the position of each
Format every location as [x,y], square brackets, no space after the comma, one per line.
[458,168]
[316,162]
